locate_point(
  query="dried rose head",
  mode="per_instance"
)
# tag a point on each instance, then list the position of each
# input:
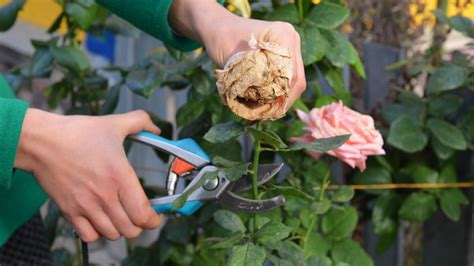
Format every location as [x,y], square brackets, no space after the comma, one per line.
[255,83]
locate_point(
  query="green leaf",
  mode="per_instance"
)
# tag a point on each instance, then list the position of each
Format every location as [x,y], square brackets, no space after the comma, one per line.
[236,172]
[286,13]
[266,137]
[272,232]
[385,241]
[340,53]
[357,63]
[450,201]
[71,58]
[395,111]
[320,145]
[229,241]
[334,78]
[190,112]
[411,99]
[447,134]
[448,174]
[373,175]
[289,190]
[207,257]
[223,132]
[139,256]
[319,261]
[466,124]
[201,82]
[316,245]
[57,92]
[343,194]
[247,255]
[111,100]
[350,252]
[143,82]
[441,16]
[442,151]
[339,223]
[448,77]
[405,134]
[295,129]
[384,214]
[179,202]
[229,221]
[8,14]
[313,44]
[56,23]
[232,151]
[51,221]
[418,207]
[463,25]
[276,261]
[321,207]
[299,105]
[62,257]
[445,105]
[82,15]
[323,100]
[423,174]
[327,15]
[41,65]
[291,252]
[219,161]
[383,162]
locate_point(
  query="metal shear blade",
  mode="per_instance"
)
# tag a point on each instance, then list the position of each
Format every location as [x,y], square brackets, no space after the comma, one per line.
[230,200]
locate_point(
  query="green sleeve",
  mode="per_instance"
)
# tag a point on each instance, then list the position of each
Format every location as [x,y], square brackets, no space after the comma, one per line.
[151,16]
[12,113]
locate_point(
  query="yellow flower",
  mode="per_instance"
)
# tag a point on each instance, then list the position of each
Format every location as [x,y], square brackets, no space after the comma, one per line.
[242,5]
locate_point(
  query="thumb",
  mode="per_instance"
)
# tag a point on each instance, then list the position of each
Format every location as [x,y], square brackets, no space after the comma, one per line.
[136,121]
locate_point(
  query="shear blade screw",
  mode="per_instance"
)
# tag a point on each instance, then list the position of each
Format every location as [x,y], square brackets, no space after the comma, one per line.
[211,184]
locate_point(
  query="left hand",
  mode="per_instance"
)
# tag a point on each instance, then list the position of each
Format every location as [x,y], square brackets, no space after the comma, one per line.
[224,34]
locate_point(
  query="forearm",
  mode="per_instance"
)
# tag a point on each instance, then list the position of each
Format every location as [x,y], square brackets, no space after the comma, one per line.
[35,134]
[199,19]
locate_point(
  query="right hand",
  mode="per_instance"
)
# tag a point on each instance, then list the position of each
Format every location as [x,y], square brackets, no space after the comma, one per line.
[80,163]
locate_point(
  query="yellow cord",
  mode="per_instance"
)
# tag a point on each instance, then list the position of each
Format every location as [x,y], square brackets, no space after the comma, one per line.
[405,186]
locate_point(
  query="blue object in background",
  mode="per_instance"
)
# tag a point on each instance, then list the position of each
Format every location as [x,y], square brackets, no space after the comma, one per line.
[102,45]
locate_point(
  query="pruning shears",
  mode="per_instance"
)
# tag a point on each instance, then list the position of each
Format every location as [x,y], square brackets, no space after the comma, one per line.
[189,167]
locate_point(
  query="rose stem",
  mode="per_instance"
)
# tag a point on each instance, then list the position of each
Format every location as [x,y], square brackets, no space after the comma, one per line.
[256,157]
[324,185]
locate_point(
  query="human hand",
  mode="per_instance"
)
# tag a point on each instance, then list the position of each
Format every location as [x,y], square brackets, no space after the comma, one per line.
[224,34]
[80,163]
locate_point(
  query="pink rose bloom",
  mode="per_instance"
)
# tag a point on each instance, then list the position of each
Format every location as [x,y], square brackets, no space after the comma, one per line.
[335,120]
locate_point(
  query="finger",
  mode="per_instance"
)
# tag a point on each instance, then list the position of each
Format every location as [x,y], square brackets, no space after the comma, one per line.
[299,83]
[136,121]
[103,225]
[84,229]
[136,204]
[120,219]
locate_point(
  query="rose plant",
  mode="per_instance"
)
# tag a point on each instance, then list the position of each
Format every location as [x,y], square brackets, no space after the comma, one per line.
[427,132]
[316,225]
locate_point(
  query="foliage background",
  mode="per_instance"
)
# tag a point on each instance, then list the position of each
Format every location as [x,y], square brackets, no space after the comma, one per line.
[425,132]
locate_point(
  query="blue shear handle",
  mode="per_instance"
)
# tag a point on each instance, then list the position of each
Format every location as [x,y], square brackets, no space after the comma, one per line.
[189,208]
[185,144]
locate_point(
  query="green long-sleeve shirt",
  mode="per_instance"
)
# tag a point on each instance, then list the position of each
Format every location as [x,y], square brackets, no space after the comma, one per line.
[20,194]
